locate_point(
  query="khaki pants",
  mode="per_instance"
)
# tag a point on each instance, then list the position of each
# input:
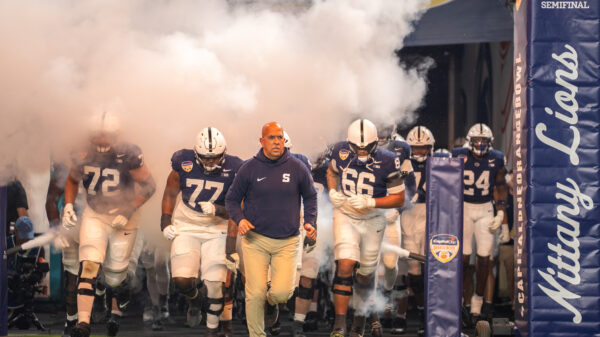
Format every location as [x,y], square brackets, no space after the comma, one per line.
[260,253]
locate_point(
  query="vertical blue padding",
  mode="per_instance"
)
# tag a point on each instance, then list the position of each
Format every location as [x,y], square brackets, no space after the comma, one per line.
[443,269]
[556,132]
[520,135]
[3,280]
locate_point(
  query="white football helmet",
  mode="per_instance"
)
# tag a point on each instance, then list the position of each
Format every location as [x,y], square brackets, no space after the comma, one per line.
[210,149]
[397,136]
[362,135]
[420,137]
[287,140]
[385,134]
[480,138]
[105,127]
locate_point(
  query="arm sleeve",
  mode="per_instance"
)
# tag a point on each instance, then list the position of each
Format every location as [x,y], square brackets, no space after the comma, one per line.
[411,183]
[235,195]
[20,196]
[309,198]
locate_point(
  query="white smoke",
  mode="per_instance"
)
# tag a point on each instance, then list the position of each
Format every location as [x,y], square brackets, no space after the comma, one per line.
[178,66]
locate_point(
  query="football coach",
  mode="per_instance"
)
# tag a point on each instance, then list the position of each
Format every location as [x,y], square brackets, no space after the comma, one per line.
[272,185]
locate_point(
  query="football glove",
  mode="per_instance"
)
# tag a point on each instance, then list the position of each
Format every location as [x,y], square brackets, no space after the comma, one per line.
[208,208]
[337,198]
[497,221]
[360,202]
[232,261]
[69,218]
[170,232]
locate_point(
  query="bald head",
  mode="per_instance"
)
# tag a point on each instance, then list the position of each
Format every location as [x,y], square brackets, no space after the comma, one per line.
[272,140]
[271,127]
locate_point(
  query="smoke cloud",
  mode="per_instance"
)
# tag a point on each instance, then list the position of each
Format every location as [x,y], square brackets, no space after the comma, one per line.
[170,68]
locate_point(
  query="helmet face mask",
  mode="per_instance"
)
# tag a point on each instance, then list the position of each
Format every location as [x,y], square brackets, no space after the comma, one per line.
[210,149]
[104,130]
[362,139]
[480,139]
[421,142]
[480,145]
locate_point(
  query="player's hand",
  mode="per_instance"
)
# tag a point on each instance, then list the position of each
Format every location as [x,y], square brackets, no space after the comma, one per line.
[208,208]
[391,215]
[505,234]
[497,221]
[119,221]
[170,232]
[69,219]
[337,198]
[244,227]
[311,232]
[232,262]
[361,202]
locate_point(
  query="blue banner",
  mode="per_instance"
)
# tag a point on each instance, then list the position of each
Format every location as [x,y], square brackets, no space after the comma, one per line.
[443,269]
[3,281]
[556,134]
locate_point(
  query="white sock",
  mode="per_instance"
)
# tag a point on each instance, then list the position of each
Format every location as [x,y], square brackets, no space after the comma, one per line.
[299,317]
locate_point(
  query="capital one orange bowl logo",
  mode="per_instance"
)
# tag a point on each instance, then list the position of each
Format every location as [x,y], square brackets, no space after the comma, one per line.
[444,247]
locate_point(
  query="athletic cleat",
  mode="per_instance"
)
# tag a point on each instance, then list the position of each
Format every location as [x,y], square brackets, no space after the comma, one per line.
[112,326]
[271,314]
[69,325]
[82,329]
[156,319]
[376,329]
[211,332]
[147,315]
[398,326]
[311,323]
[226,329]
[297,329]
[339,332]
[275,329]
[358,326]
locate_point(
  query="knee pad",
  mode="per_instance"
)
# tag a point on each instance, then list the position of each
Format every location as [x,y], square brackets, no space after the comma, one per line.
[114,279]
[88,273]
[306,293]
[365,281]
[342,281]
[416,283]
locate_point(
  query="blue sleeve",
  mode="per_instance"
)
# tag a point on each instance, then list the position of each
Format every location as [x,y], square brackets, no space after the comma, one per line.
[235,195]
[176,161]
[410,183]
[309,198]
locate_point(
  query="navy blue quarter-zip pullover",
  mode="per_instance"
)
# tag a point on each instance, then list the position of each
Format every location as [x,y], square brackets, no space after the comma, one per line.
[272,191]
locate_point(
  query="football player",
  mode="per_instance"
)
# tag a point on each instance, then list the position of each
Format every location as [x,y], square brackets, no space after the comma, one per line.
[394,277]
[421,142]
[66,241]
[310,258]
[195,219]
[110,171]
[362,181]
[484,170]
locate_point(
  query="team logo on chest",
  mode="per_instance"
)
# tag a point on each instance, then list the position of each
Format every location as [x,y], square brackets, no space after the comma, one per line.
[187,166]
[344,154]
[444,247]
